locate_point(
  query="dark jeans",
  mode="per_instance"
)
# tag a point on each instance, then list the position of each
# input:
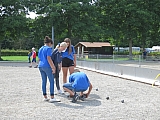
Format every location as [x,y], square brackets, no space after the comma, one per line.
[56,76]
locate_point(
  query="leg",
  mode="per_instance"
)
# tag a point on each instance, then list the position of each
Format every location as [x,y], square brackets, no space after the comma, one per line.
[71,69]
[51,80]
[57,77]
[65,71]
[31,63]
[29,60]
[68,87]
[34,60]
[44,82]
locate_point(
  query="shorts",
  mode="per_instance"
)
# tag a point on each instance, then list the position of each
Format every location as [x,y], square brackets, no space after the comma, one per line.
[69,86]
[66,62]
[34,60]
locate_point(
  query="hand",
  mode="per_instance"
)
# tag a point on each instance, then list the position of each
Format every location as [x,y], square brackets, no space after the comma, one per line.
[86,95]
[53,70]
[59,67]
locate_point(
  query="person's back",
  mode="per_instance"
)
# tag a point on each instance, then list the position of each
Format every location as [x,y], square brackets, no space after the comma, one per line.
[43,53]
[80,81]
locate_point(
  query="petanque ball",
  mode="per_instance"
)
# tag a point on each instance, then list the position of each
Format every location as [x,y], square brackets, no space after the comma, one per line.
[107,98]
[122,101]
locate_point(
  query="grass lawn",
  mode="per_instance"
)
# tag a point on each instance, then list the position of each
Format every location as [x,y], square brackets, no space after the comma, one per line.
[25,59]
[15,58]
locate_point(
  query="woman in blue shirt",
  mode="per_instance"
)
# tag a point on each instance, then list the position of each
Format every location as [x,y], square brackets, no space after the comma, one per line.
[68,59]
[47,68]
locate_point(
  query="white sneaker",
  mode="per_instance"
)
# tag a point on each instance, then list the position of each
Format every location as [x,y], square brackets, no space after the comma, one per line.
[54,100]
[46,99]
[60,92]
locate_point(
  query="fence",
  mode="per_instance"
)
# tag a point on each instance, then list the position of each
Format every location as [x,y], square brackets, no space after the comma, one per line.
[122,66]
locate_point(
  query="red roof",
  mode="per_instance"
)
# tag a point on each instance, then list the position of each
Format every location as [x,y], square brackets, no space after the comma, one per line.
[94,44]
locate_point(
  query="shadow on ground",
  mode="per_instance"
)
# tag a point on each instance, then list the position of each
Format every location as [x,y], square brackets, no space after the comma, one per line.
[93,100]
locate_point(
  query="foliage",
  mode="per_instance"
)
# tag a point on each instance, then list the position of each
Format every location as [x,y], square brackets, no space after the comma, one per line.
[8,52]
[154,54]
[121,22]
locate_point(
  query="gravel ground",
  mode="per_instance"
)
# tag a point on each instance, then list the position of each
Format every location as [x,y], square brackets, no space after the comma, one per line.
[21,98]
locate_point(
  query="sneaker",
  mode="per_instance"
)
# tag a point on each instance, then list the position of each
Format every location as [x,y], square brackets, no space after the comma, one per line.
[46,99]
[82,97]
[54,100]
[36,66]
[75,98]
[60,92]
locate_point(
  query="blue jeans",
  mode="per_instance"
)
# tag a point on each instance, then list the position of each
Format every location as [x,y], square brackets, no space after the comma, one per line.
[47,72]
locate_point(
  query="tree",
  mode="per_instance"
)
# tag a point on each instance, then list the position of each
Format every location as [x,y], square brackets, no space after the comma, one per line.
[13,19]
[70,18]
[128,20]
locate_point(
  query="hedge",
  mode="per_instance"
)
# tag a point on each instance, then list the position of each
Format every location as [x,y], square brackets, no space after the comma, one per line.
[7,52]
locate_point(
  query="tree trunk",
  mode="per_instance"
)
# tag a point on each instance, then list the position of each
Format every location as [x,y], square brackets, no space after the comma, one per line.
[0,52]
[130,49]
[143,42]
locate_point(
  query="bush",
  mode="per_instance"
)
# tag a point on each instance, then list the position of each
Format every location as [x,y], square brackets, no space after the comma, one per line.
[127,53]
[7,52]
[154,54]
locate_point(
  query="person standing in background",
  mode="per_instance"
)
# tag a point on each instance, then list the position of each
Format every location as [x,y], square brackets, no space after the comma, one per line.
[47,68]
[57,59]
[144,54]
[68,59]
[33,58]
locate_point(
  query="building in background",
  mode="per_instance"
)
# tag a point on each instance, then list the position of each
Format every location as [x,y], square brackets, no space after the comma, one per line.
[104,48]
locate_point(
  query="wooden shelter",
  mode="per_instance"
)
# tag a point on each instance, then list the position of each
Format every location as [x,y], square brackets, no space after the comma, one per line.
[104,48]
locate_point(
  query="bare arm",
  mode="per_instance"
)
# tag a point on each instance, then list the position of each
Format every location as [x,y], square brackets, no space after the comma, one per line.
[51,64]
[90,88]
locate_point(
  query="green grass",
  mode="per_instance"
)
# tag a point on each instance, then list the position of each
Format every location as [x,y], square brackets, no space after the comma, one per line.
[15,58]
[25,59]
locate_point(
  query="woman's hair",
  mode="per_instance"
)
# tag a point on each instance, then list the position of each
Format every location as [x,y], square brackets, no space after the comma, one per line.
[62,44]
[67,40]
[33,48]
[48,40]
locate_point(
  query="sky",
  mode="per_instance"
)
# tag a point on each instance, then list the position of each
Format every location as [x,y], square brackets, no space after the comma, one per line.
[32,15]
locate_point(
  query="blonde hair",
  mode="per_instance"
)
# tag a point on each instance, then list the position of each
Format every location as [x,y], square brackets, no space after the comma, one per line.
[62,44]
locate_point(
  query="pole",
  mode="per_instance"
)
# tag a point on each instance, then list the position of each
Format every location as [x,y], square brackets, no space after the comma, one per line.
[53,37]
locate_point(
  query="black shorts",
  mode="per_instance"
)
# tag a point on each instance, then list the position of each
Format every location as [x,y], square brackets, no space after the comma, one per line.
[66,62]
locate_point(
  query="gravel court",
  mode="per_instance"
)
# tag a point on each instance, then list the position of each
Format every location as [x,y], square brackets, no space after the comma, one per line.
[21,98]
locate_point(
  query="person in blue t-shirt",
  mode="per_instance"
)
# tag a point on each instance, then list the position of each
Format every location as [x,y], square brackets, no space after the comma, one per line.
[57,59]
[78,82]
[47,68]
[68,59]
